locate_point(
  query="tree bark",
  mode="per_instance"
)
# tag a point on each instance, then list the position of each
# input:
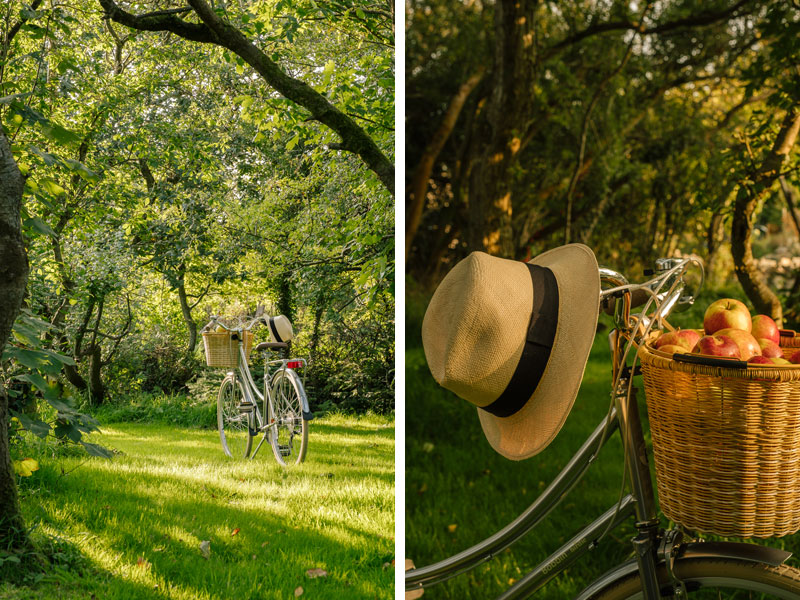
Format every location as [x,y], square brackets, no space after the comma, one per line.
[747,199]
[186,311]
[13,279]
[213,30]
[422,173]
[506,124]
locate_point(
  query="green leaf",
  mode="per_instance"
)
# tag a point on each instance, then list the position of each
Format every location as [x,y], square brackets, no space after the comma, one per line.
[327,73]
[51,187]
[35,426]
[293,142]
[66,430]
[39,225]
[96,450]
[360,14]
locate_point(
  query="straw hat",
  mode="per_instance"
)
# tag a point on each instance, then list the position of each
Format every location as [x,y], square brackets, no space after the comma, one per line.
[281,328]
[513,339]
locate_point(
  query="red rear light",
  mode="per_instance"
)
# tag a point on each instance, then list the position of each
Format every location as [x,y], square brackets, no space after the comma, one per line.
[294,364]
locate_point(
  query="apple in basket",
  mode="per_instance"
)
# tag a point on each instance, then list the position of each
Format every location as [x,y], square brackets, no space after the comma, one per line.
[795,358]
[770,349]
[748,345]
[727,313]
[760,360]
[764,328]
[717,345]
[780,361]
[686,338]
[673,349]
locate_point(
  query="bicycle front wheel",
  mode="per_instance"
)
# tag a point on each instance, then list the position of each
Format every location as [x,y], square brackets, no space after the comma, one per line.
[234,418]
[289,436]
[716,578]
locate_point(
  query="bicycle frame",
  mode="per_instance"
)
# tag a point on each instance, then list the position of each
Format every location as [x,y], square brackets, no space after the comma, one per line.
[254,396]
[650,544]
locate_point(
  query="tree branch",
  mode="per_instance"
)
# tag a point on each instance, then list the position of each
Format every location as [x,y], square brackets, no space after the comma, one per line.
[699,20]
[214,30]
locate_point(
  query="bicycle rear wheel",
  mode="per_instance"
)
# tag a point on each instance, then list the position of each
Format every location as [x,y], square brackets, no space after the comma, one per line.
[234,418]
[716,578]
[289,437]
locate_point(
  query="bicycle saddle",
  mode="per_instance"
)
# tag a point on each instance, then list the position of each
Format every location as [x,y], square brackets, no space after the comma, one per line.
[271,346]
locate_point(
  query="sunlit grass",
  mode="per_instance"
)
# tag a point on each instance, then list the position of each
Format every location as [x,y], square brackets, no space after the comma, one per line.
[136,522]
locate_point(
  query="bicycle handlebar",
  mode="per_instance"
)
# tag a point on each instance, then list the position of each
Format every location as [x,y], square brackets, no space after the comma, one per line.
[666,289]
[243,325]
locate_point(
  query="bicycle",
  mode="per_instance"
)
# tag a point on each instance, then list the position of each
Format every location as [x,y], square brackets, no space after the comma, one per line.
[668,563]
[285,404]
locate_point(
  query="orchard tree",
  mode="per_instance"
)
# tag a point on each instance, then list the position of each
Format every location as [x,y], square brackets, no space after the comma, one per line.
[247,32]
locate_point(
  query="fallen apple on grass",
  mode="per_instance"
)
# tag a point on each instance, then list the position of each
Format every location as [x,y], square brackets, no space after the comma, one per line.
[717,345]
[727,313]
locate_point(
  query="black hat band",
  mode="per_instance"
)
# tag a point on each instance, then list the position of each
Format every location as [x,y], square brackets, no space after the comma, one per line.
[538,343]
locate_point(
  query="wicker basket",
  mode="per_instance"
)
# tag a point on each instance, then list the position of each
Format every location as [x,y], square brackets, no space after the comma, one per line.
[726,443]
[222,350]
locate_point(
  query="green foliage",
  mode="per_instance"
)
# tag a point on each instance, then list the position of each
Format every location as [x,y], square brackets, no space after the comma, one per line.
[29,373]
[176,410]
[164,173]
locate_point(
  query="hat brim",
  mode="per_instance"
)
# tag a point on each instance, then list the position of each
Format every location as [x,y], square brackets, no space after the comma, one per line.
[535,425]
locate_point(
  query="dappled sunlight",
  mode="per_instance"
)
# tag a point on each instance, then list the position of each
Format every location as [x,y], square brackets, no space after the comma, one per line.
[143,515]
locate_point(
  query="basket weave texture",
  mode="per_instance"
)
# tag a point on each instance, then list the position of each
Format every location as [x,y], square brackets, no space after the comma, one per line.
[222,350]
[726,444]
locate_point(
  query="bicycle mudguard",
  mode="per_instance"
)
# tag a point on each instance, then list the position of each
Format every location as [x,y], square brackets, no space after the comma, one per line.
[694,550]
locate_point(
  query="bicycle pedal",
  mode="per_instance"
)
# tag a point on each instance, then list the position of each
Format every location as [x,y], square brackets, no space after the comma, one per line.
[246,407]
[284,450]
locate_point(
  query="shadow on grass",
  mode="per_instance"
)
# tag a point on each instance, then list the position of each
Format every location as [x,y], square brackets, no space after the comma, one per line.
[140,520]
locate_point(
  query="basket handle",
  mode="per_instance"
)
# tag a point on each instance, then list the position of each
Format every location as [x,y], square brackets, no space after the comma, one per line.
[787,333]
[697,359]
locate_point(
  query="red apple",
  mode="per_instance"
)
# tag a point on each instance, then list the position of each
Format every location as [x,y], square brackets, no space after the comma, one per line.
[717,345]
[726,314]
[770,349]
[687,338]
[780,361]
[759,360]
[748,346]
[673,348]
[795,358]
[764,328]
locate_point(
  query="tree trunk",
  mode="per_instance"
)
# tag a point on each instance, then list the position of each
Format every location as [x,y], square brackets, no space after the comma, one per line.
[186,310]
[507,121]
[97,391]
[715,235]
[422,173]
[13,279]
[747,199]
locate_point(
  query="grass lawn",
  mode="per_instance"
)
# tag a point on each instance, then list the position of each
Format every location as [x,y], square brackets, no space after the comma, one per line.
[459,491]
[132,527]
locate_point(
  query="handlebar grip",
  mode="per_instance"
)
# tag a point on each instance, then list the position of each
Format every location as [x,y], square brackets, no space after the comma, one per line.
[638,297]
[698,359]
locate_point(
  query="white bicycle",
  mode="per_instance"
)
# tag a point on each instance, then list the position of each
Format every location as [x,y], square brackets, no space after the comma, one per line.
[283,420]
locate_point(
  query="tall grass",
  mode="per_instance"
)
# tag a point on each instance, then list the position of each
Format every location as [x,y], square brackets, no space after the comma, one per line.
[132,527]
